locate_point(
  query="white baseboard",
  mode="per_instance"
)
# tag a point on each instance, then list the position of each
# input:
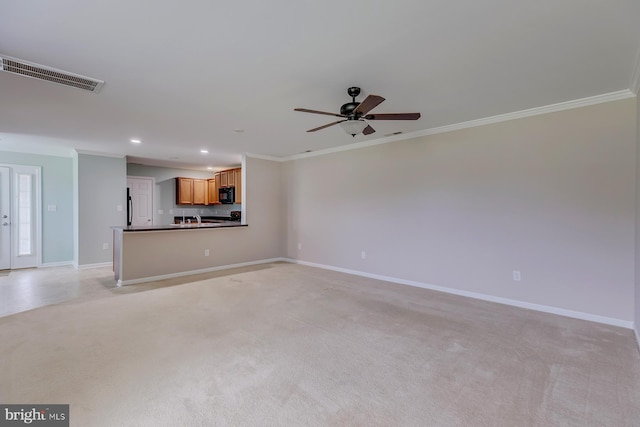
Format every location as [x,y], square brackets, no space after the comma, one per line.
[98,265]
[56,264]
[522,304]
[190,272]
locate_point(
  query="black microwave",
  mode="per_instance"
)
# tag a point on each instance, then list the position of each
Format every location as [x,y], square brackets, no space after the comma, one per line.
[227,195]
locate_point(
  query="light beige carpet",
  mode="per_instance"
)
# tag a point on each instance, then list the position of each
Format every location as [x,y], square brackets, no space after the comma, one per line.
[295,346]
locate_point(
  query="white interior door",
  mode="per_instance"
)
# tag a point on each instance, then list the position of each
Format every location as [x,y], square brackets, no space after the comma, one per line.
[5,219]
[141,192]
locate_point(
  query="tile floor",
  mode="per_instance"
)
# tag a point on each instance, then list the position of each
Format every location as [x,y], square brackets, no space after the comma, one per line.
[27,289]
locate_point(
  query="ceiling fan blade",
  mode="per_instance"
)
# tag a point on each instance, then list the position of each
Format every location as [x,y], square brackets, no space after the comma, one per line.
[325,126]
[368,130]
[305,110]
[369,103]
[393,116]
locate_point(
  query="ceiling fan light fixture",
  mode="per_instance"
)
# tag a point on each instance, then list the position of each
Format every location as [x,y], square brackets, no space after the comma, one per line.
[353,127]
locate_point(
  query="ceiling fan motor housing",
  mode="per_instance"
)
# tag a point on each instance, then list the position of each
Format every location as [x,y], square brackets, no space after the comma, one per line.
[347,109]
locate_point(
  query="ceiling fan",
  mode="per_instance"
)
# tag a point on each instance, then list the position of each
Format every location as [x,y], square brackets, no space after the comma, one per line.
[354,114]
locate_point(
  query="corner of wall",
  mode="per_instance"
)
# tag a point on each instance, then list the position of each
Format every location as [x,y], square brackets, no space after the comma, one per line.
[637,222]
[635,77]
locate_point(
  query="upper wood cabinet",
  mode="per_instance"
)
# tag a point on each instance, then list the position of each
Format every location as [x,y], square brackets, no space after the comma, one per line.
[213,186]
[238,184]
[227,178]
[199,191]
[231,178]
[184,191]
[191,191]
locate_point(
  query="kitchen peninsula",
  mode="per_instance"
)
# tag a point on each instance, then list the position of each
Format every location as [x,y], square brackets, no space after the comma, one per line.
[145,253]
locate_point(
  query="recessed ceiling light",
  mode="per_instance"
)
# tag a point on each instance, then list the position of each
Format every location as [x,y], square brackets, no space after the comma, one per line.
[135,141]
[210,168]
[204,151]
[238,130]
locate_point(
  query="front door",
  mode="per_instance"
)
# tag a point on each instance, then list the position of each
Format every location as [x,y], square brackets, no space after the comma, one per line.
[5,219]
[141,206]
[20,216]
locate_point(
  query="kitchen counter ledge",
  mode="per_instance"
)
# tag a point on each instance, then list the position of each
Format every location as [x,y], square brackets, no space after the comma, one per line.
[175,227]
[156,252]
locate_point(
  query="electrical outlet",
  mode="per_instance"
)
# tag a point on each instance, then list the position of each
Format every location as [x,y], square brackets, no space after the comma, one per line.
[516,275]
[160,212]
[206,252]
[299,246]
[363,255]
[105,246]
[119,208]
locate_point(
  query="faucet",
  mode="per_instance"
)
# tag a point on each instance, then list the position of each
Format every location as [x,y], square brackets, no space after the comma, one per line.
[196,216]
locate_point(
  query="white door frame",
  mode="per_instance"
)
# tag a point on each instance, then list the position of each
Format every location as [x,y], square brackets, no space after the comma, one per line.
[5,218]
[35,258]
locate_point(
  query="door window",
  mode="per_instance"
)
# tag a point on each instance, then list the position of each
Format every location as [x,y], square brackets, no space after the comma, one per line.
[25,214]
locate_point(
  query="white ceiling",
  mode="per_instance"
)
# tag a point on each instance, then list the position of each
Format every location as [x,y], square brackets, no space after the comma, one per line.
[182,76]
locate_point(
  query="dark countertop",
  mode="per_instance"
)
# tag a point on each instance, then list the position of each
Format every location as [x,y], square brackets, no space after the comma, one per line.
[174,227]
[204,218]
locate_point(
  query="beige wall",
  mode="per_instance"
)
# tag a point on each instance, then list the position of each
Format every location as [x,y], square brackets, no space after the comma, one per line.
[151,254]
[552,196]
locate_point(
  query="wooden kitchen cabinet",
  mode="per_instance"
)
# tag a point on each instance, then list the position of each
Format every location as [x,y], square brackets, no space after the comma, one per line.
[227,178]
[184,191]
[199,192]
[238,183]
[191,191]
[213,187]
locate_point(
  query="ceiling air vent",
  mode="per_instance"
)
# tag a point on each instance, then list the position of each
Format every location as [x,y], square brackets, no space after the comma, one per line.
[28,69]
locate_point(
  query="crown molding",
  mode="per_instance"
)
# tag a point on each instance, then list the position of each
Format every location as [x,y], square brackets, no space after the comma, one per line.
[354,146]
[561,106]
[99,153]
[43,150]
[264,157]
